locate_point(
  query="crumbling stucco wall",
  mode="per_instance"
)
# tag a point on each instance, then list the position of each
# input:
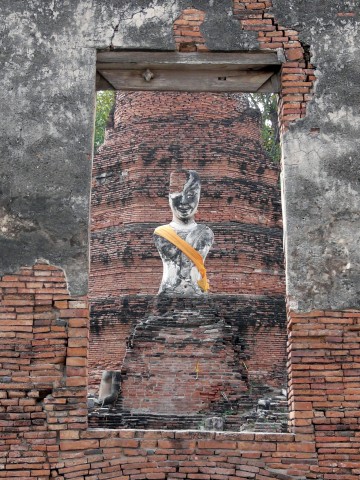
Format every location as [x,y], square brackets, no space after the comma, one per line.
[321,162]
[47,97]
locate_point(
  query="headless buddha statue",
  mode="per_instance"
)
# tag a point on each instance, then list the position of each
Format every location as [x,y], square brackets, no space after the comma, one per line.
[183,244]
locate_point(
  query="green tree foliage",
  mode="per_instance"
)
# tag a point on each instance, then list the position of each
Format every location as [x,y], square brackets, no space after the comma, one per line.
[104,103]
[267,105]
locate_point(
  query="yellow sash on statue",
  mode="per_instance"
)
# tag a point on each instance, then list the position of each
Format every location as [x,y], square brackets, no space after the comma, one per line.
[169,234]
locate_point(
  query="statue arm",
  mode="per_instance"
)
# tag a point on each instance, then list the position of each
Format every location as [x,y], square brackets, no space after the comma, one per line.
[166,249]
[203,241]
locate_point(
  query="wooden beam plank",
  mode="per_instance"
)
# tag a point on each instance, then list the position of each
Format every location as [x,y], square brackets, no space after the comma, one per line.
[272,85]
[102,83]
[188,81]
[188,67]
[135,60]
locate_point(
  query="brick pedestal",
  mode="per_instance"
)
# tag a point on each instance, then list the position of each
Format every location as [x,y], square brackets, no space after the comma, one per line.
[183,356]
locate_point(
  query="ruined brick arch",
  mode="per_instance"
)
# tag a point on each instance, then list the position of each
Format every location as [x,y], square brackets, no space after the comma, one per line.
[44,435]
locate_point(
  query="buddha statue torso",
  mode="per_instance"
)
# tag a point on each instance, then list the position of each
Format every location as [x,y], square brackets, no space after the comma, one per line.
[180,275]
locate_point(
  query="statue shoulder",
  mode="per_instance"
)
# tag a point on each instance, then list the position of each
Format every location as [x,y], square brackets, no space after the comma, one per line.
[201,235]
[160,226]
[205,230]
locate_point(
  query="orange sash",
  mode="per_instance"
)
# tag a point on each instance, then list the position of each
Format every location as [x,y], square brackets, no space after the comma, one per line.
[169,234]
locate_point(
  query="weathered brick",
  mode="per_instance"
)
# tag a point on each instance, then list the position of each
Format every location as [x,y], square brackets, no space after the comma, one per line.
[67,445]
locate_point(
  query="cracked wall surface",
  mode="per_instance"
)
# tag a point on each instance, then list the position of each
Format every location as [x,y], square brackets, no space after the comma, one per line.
[321,157]
[48,65]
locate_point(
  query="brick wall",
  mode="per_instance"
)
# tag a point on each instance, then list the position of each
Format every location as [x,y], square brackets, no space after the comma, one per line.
[43,368]
[44,417]
[324,389]
[187,33]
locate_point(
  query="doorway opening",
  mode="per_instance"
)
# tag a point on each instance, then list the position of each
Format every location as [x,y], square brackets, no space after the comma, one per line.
[184,362]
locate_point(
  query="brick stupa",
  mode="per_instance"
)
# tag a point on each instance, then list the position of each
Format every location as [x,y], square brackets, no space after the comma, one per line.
[189,358]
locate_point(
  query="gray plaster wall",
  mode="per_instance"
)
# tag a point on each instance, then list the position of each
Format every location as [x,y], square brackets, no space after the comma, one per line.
[321,162]
[47,59]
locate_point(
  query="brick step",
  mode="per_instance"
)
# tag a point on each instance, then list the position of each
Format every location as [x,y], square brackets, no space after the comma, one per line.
[109,418]
[266,428]
[145,421]
[258,426]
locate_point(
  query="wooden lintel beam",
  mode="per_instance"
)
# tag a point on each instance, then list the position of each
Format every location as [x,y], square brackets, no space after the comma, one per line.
[191,80]
[174,60]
